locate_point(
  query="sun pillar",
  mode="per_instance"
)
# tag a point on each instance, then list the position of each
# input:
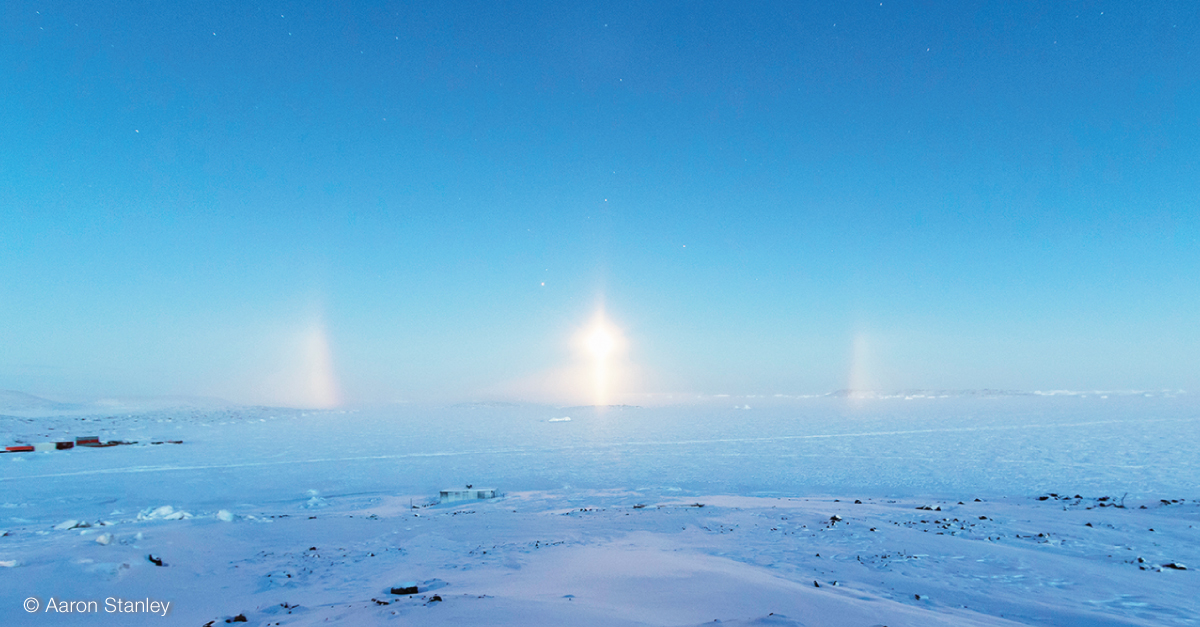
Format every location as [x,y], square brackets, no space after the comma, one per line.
[601,342]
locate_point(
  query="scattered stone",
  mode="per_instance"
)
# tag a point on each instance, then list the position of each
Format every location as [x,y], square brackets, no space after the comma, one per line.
[857,502]
[1175,566]
[917,597]
[835,518]
[435,599]
[157,561]
[405,588]
[815,584]
[240,618]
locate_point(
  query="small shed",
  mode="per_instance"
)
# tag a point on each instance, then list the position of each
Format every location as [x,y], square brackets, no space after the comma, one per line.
[467,494]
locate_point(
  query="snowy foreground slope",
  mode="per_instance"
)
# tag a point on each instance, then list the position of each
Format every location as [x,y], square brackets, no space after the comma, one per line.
[676,516]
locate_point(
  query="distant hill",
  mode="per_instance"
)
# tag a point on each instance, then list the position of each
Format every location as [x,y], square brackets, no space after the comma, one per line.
[21,404]
[13,402]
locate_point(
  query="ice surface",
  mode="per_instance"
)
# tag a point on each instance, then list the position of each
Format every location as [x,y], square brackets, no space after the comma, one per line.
[938,447]
[580,536]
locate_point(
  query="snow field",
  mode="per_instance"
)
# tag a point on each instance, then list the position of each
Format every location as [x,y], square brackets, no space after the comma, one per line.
[299,518]
[604,558]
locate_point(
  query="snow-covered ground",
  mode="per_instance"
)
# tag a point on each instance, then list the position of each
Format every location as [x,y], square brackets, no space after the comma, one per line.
[676,515]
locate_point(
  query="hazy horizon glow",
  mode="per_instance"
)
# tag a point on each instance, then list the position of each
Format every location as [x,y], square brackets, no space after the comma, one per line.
[321,206]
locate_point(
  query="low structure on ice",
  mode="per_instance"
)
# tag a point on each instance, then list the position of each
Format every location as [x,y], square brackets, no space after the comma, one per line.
[467,494]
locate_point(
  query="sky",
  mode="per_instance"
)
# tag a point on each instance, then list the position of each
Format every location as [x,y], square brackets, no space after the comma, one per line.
[349,203]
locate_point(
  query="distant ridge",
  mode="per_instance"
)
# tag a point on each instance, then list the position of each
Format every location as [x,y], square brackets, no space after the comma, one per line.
[487,405]
[927,393]
[13,401]
[22,404]
[579,407]
[991,393]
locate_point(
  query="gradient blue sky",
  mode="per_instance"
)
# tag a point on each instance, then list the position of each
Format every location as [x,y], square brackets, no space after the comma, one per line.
[205,197]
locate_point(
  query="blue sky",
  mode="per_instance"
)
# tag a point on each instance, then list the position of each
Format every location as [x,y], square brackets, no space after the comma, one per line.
[250,201]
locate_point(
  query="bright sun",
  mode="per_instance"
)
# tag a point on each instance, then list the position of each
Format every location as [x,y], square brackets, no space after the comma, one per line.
[600,343]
